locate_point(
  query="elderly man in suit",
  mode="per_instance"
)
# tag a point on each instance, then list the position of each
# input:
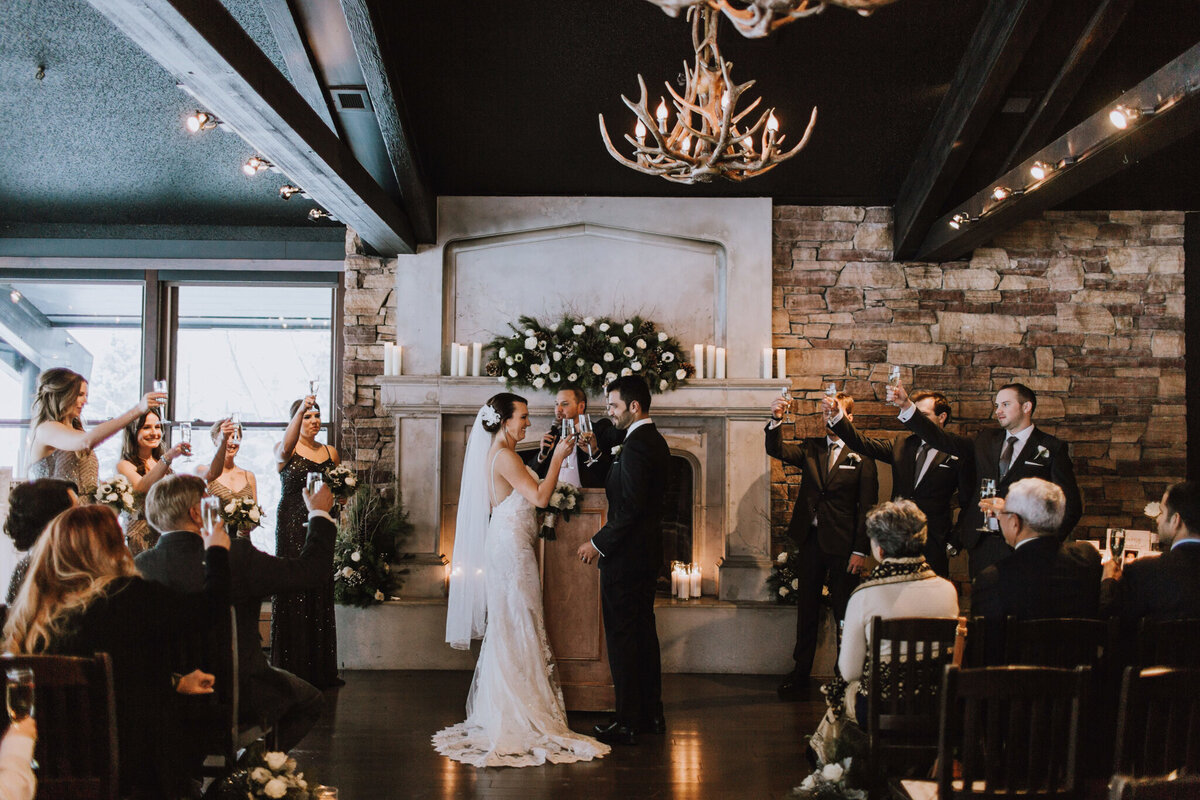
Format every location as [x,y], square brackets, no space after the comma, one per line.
[570,404]
[837,488]
[920,472]
[1168,586]
[1016,450]
[269,696]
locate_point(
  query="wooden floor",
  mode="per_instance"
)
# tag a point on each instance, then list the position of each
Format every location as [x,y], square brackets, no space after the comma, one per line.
[729,737]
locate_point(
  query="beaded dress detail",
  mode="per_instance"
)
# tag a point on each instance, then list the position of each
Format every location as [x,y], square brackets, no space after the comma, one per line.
[80,466]
[220,490]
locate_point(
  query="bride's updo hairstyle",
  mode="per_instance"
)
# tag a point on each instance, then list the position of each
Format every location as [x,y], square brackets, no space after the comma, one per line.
[505,405]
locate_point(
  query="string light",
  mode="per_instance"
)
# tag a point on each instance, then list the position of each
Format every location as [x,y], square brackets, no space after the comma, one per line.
[255,165]
[287,190]
[199,121]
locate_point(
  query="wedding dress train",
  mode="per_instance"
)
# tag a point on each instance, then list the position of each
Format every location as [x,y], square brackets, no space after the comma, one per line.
[515,711]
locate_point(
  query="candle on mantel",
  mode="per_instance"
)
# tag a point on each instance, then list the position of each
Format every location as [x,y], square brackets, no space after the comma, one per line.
[698,360]
[694,580]
[387,358]
[767,355]
[781,363]
[720,363]
[454,359]
[463,356]
[476,357]
[397,360]
[710,361]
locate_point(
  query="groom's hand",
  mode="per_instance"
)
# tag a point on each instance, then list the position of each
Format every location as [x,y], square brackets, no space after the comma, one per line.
[587,552]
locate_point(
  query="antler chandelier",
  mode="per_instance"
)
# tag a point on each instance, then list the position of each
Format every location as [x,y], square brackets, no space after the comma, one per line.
[708,138]
[756,18]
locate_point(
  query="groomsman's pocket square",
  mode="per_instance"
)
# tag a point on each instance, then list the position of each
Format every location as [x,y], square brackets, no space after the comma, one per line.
[945,465]
[847,466]
[1035,463]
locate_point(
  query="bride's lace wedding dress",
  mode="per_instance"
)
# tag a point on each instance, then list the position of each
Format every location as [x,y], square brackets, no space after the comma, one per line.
[515,711]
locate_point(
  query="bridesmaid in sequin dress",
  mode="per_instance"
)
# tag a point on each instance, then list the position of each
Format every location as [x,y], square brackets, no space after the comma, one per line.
[60,447]
[233,482]
[303,636]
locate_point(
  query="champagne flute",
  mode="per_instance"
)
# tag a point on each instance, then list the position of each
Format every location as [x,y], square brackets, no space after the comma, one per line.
[210,512]
[185,438]
[892,383]
[313,386]
[20,696]
[568,427]
[585,429]
[1116,543]
[786,394]
[161,386]
[987,489]
[235,436]
[313,482]
[831,393]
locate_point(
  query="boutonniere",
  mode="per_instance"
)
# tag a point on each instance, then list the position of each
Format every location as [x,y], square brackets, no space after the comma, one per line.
[616,451]
[1042,452]
[855,457]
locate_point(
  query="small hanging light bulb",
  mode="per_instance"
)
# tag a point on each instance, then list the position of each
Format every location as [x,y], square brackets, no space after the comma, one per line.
[1121,116]
[15,296]
[1001,193]
[660,114]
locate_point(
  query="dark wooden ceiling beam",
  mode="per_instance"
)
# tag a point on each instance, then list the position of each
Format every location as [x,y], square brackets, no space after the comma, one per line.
[1101,28]
[282,19]
[202,45]
[1100,150]
[992,57]
[387,98]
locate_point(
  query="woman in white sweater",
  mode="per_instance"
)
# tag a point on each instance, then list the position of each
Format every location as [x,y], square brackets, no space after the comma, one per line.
[903,585]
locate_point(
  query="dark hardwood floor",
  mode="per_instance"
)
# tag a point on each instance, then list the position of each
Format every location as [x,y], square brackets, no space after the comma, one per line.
[729,737]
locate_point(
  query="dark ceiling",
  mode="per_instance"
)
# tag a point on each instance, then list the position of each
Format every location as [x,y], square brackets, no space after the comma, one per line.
[502,99]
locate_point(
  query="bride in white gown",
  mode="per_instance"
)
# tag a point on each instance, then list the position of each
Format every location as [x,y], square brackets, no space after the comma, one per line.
[515,711]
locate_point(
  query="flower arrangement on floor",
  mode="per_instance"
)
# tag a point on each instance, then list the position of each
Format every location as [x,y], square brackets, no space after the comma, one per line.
[117,493]
[784,578]
[241,514]
[370,530]
[829,782]
[563,501]
[587,353]
[262,774]
[341,480]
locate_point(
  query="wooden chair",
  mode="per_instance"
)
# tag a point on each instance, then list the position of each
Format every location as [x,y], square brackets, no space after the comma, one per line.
[77,726]
[1127,787]
[1015,731]
[1158,725]
[1168,643]
[902,701]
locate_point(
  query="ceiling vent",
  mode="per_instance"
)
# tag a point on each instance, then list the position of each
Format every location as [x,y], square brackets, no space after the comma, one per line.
[351,98]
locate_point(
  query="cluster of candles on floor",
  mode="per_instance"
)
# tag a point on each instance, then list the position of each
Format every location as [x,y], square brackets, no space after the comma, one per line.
[685,580]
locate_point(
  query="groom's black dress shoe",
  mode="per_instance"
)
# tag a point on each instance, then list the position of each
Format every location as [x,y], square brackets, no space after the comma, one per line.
[656,725]
[615,733]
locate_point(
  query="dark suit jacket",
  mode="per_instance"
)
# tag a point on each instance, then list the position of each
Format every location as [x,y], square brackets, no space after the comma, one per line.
[177,561]
[631,541]
[946,475]
[1044,579]
[1164,587]
[592,477]
[840,497]
[1043,456]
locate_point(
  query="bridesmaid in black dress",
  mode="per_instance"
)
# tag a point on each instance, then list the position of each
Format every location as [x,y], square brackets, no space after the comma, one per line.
[303,635]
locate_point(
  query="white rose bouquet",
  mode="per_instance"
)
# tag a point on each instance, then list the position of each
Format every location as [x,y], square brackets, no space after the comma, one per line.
[564,501]
[242,514]
[341,480]
[117,493]
[784,578]
[828,782]
[263,773]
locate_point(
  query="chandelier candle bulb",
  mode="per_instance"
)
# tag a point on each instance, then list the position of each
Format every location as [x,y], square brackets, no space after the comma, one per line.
[780,362]
[476,357]
[766,363]
[640,132]
[697,359]
[660,114]
[710,361]
[720,363]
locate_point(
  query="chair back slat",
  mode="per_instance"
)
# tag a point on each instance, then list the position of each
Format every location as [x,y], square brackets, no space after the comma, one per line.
[1158,727]
[76,714]
[1168,643]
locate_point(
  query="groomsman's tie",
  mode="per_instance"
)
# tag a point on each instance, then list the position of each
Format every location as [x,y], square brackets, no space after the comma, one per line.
[1006,455]
[834,449]
[922,455]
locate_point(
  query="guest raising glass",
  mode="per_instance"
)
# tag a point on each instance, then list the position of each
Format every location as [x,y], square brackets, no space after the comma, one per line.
[232,483]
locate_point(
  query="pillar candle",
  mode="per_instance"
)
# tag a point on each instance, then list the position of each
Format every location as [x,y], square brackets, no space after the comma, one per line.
[397,360]
[476,357]
[710,361]
[780,363]
[682,594]
[720,363]
[766,363]
[453,359]
[463,355]
[695,581]
[674,579]
[698,360]
[387,358]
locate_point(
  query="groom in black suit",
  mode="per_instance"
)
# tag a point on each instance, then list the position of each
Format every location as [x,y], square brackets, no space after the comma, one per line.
[629,547]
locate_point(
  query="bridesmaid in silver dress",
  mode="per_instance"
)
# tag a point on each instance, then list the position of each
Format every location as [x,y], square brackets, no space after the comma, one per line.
[60,446]
[232,482]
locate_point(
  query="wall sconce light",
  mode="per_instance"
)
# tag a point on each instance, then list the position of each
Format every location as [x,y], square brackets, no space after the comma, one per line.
[318,214]
[1123,116]
[287,190]
[199,121]
[255,165]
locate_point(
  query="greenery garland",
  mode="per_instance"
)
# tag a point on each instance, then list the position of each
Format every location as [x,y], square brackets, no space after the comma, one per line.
[370,531]
[587,353]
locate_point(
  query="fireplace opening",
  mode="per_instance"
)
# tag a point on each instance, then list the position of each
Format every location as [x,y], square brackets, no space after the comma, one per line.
[677,522]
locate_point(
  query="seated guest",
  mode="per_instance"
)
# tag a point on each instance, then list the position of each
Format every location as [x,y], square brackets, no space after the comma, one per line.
[1166,587]
[31,506]
[902,585]
[82,596]
[17,781]
[269,696]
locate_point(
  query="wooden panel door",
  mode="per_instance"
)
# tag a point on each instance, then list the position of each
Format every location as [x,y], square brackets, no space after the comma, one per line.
[571,595]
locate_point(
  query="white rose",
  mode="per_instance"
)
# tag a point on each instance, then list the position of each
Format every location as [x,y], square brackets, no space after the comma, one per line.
[111,497]
[662,385]
[531,343]
[275,788]
[668,357]
[229,509]
[577,330]
[275,760]
[127,499]
[539,383]
[350,480]
[347,572]
[579,362]
[500,379]
[589,321]
[260,775]
[574,376]
[795,584]
[809,782]
[356,556]
[555,377]
[512,373]
[503,352]
[681,374]
[557,356]
[781,558]
[556,499]
[832,772]
[571,501]
[536,369]
[379,595]
[529,331]
[626,371]
[662,337]
[628,351]
[509,360]
[614,339]
[542,345]
[641,343]
[597,369]
[784,591]
[636,366]
[608,356]
[610,377]
[603,327]
[628,327]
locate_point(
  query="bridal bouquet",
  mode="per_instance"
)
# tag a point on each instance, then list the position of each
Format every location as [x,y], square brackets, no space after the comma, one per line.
[563,502]
[241,514]
[117,493]
[341,480]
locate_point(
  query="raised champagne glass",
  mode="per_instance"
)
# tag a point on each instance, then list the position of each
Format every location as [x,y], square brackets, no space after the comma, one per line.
[1116,543]
[831,393]
[584,425]
[313,482]
[161,386]
[19,696]
[987,489]
[235,436]
[893,382]
[786,394]
[568,427]
[185,437]
[210,512]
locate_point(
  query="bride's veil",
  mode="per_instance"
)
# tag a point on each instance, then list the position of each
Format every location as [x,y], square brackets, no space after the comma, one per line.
[467,607]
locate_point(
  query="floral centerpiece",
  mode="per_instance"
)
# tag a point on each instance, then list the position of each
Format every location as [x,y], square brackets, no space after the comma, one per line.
[262,774]
[241,514]
[341,480]
[117,493]
[587,353]
[563,502]
[828,782]
[369,532]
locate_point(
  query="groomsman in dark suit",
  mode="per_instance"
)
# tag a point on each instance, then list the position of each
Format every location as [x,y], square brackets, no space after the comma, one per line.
[1014,451]
[570,404]
[829,526]
[630,550]
[920,472]
[1167,586]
